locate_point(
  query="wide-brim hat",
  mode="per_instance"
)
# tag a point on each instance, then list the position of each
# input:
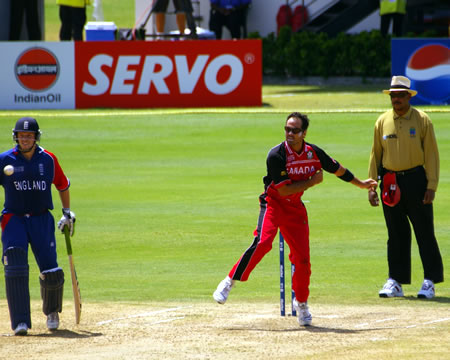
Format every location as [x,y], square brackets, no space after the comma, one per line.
[401,83]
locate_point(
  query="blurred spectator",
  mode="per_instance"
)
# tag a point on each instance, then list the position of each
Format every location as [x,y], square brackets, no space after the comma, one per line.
[17,10]
[243,11]
[229,13]
[72,14]
[181,8]
[394,10]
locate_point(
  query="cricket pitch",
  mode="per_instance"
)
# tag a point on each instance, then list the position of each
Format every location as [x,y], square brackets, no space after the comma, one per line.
[234,331]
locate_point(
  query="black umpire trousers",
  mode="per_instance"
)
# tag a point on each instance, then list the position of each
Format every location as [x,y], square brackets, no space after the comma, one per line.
[72,22]
[397,24]
[412,186]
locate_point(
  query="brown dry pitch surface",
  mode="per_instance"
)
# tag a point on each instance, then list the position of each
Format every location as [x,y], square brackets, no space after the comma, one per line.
[233,331]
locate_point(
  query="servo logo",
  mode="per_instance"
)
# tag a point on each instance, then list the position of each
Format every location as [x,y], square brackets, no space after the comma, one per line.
[37,69]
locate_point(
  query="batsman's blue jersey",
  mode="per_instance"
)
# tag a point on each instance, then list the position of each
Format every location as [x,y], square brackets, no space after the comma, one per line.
[28,189]
[25,217]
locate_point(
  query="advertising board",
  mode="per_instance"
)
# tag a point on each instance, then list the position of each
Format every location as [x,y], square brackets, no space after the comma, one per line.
[37,75]
[131,74]
[426,62]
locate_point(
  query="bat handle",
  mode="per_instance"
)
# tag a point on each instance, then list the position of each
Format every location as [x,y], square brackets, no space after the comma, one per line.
[68,242]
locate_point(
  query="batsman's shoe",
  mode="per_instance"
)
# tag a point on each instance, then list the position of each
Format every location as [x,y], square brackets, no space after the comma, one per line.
[21,329]
[391,289]
[223,290]
[303,314]
[427,291]
[53,321]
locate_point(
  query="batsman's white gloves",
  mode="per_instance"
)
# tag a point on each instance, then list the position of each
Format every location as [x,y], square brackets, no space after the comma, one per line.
[68,219]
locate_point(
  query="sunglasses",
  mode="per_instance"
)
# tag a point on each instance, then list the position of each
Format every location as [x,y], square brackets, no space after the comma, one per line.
[292,130]
[398,94]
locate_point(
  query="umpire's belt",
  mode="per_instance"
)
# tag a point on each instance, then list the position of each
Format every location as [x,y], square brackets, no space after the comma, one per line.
[404,172]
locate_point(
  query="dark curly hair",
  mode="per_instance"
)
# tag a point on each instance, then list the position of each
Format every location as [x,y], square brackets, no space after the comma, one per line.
[302,117]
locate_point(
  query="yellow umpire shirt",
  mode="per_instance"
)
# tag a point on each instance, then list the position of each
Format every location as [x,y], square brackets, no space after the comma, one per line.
[405,142]
[74,3]
[392,6]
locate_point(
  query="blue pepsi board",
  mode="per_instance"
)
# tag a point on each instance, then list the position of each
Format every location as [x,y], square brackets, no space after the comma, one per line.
[426,62]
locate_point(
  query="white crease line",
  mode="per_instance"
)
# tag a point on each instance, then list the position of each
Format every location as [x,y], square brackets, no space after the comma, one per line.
[438,320]
[140,315]
[168,320]
[379,339]
[279,95]
[147,112]
[361,325]
[384,320]
[311,94]
[377,321]
[327,316]
[429,322]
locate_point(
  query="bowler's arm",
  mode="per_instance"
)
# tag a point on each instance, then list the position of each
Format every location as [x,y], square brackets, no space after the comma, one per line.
[300,186]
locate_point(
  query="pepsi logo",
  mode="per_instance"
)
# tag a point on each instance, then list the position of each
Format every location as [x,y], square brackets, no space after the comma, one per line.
[37,69]
[429,70]
[429,62]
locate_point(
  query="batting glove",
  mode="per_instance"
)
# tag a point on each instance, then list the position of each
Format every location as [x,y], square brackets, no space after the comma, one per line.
[68,219]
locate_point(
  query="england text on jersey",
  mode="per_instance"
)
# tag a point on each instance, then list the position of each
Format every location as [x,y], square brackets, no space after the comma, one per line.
[27,185]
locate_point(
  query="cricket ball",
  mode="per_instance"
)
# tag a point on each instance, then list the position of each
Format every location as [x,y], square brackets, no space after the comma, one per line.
[8,170]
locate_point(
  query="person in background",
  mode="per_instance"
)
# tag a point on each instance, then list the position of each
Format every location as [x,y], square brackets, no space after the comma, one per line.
[392,10]
[243,13]
[405,157]
[72,14]
[18,9]
[181,8]
[229,13]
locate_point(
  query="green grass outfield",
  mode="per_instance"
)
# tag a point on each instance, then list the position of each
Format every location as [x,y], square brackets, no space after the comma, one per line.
[167,200]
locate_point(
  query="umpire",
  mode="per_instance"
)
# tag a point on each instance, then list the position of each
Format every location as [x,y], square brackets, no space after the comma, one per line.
[405,157]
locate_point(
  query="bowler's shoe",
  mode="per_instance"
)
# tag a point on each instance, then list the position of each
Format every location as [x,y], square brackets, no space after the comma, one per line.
[303,314]
[223,290]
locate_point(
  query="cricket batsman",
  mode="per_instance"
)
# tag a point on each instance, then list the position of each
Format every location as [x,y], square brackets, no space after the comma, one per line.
[292,167]
[28,173]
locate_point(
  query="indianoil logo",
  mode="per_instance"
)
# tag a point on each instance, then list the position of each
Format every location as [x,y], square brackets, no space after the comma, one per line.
[37,69]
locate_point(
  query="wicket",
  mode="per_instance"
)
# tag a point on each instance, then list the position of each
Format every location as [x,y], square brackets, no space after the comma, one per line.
[282,282]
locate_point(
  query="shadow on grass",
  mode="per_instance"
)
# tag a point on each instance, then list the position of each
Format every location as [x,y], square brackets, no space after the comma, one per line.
[321,329]
[438,299]
[312,329]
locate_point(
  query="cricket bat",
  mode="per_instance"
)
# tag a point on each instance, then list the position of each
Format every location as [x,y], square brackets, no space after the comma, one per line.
[73,274]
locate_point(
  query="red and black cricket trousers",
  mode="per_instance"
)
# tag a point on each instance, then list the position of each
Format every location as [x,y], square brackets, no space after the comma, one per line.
[292,221]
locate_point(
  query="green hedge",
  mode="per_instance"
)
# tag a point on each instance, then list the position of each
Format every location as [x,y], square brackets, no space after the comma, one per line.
[367,54]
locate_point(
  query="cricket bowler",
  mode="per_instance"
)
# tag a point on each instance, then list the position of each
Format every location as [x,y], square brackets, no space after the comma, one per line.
[292,167]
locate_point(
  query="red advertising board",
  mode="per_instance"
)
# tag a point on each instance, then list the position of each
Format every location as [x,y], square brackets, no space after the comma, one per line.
[143,74]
